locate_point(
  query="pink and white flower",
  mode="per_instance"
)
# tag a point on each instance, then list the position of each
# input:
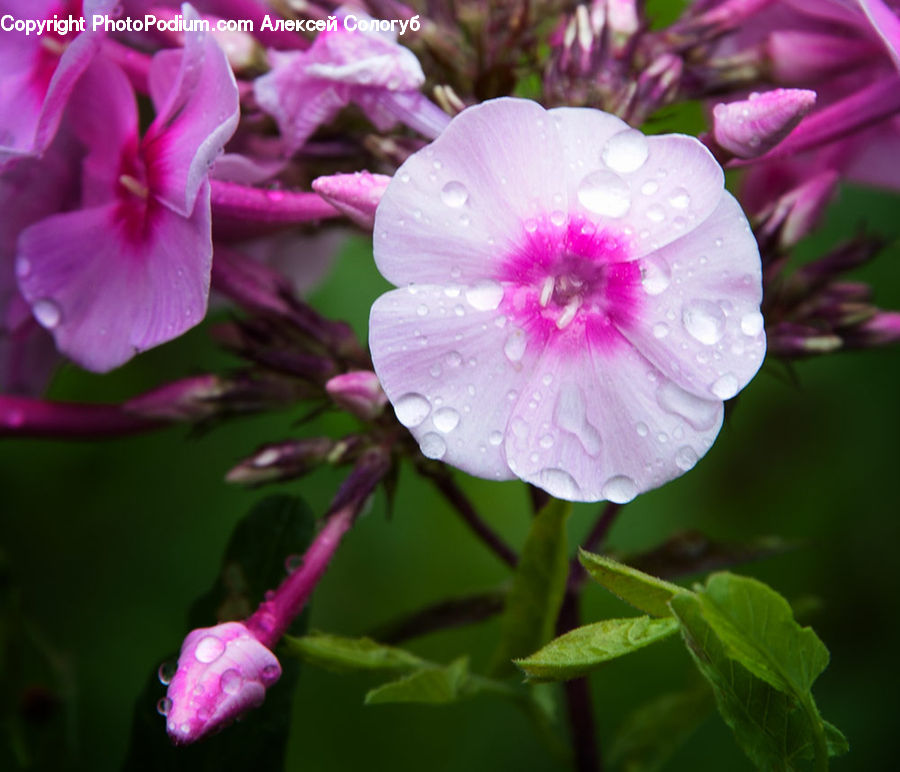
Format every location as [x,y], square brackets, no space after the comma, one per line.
[576,300]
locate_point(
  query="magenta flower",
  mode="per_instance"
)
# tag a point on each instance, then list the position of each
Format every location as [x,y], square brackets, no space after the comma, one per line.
[577,300]
[130,268]
[306,89]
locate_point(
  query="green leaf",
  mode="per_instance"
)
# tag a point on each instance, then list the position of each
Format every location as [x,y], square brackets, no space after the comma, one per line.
[641,590]
[434,685]
[253,563]
[537,588]
[334,652]
[586,648]
[648,737]
[761,665]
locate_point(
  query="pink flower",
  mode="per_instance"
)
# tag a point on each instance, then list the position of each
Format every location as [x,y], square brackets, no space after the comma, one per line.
[130,268]
[577,300]
[750,127]
[307,89]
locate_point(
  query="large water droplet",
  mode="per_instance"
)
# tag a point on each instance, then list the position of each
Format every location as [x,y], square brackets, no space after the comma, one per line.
[702,414]
[604,193]
[655,275]
[560,484]
[680,198]
[164,706]
[626,151]
[704,321]
[752,323]
[619,489]
[485,295]
[660,330]
[726,386]
[411,409]
[445,420]
[515,345]
[231,681]
[685,458]
[433,446]
[570,413]
[209,649]
[166,672]
[48,313]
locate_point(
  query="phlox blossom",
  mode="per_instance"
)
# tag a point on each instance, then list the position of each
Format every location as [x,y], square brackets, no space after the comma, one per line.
[575,300]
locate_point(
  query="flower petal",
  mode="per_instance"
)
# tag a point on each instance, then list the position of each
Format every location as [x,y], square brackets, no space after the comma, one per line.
[105,296]
[452,209]
[609,426]
[444,366]
[198,116]
[703,329]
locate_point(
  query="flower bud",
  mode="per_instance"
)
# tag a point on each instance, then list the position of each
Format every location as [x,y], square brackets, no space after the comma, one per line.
[752,127]
[356,195]
[223,672]
[358,392]
[190,399]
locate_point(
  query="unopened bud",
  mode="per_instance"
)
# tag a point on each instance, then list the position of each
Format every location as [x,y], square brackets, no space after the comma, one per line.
[190,399]
[798,211]
[223,672]
[359,393]
[752,127]
[282,461]
[356,195]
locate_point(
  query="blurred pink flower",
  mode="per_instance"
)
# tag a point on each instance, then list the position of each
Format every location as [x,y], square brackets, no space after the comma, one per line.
[576,300]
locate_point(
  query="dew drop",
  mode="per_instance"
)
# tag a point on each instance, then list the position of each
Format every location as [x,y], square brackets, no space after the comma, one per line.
[453,359]
[445,420]
[626,151]
[48,313]
[685,458]
[702,414]
[515,345]
[655,275]
[546,441]
[726,386]
[292,563]
[642,429]
[270,673]
[495,438]
[166,672]
[704,321]
[660,330]
[619,489]
[435,370]
[231,681]
[164,706]
[485,295]
[680,199]
[209,649]
[422,310]
[570,413]
[559,483]
[649,187]
[557,217]
[547,379]
[604,193]
[433,446]
[412,409]
[752,323]
[656,213]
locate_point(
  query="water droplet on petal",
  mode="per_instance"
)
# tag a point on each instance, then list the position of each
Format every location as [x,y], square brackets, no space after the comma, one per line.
[164,706]
[604,193]
[454,359]
[649,187]
[48,313]
[485,295]
[570,413]
[546,441]
[231,681]
[515,345]
[495,438]
[656,213]
[642,429]
[680,198]
[422,310]
[655,275]
[626,151]
[752,323]
[209,649]
[559,483]
[726,386]
[704,321]
[619,489]
[433,446]
[270,673]
[685,458]
[702,414]
[445,420]
[411,409]
[660,330]
[166,672]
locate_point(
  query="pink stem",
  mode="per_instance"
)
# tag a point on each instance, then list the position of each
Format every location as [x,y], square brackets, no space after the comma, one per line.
[28,417]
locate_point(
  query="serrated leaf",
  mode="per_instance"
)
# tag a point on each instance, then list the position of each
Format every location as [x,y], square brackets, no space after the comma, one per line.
[537,588]
[335,652]
[775,728]
[641,590]
[758,629]
[253,562]
[650,735]
[434,685]
[584,649]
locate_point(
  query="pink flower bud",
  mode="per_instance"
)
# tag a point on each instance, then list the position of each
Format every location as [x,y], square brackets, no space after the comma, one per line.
[356,195]
[751,127]
[223,672]
[358,392]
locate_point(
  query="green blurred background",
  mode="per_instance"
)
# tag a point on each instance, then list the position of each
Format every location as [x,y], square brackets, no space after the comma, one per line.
[105,545]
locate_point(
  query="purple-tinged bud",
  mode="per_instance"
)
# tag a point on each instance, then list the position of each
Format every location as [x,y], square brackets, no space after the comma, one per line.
[656,86]
[190,399]
[798,211]
[359,393]
[223,672]
[282,461]
[356,195]
[722,18]
[880,330]
[448,100]
[621,21]
[751,127]
[791,340]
